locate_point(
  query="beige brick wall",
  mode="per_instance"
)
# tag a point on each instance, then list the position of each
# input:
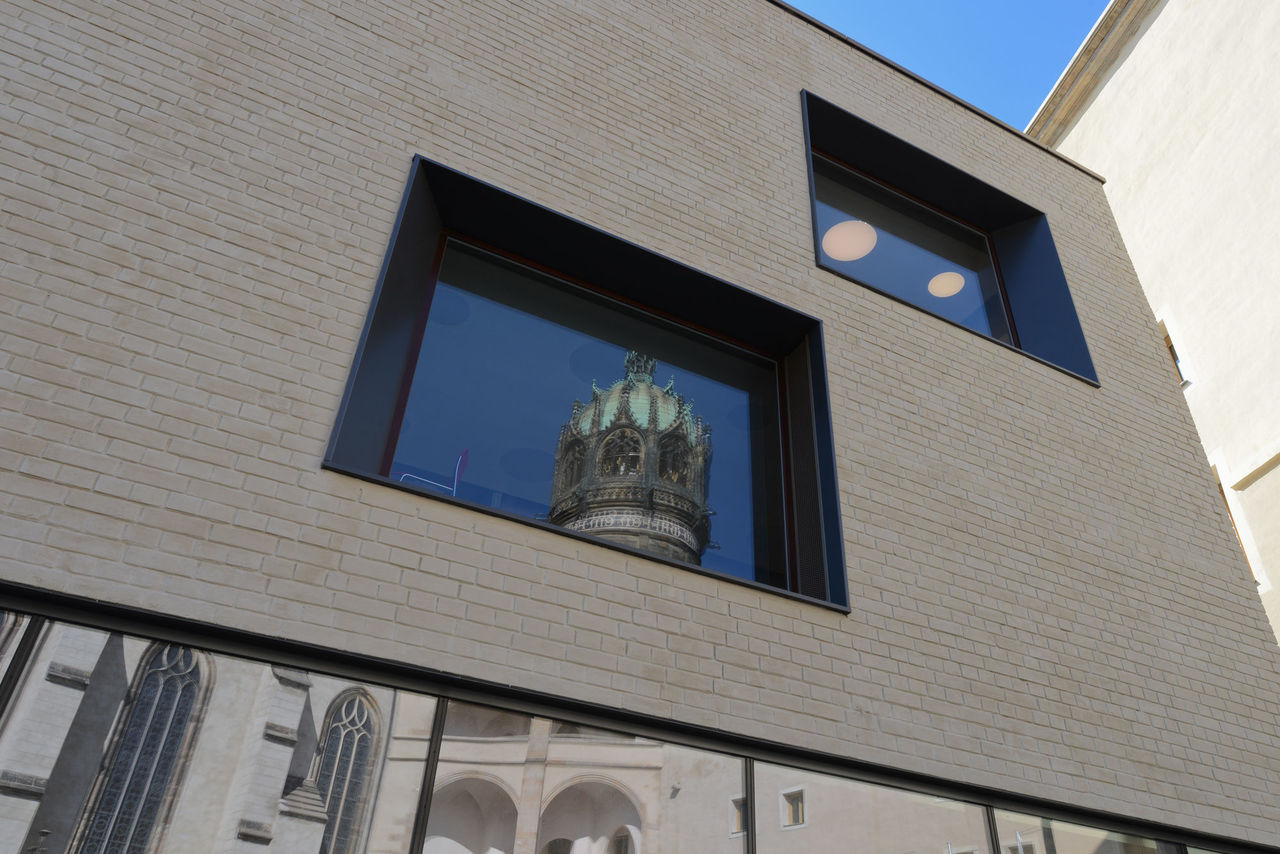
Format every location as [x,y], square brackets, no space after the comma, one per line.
[196,200]
[1190,190]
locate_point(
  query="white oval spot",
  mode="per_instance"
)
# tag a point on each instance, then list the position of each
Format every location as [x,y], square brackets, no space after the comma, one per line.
[849,240]
[946,284]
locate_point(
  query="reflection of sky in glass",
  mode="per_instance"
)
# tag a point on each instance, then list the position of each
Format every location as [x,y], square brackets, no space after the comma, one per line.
[496,382]
[913,244]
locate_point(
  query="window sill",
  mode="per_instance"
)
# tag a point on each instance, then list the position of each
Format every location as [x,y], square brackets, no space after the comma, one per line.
[1004,344]
[585,538]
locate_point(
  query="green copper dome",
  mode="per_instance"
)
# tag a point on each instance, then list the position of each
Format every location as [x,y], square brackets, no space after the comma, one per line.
[646,405]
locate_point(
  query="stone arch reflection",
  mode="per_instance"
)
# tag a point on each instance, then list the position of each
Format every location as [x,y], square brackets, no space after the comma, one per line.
[471,816]
[591,814]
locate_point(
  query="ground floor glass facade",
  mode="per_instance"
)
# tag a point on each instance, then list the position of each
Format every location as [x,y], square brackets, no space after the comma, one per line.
[114,742]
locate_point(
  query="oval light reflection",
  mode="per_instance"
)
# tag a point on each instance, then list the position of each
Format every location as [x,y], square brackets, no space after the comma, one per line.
[849,240]
[946,284]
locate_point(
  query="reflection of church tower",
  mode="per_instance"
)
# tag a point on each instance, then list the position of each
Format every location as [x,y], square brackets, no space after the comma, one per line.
[632,467]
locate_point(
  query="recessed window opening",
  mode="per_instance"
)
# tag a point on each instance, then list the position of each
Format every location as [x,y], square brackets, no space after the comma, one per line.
[1173,356]
[894,244]
[793,808]
[533,367]
[901,221]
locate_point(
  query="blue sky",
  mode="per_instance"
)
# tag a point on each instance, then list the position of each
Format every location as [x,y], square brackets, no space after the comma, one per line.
[1002,56]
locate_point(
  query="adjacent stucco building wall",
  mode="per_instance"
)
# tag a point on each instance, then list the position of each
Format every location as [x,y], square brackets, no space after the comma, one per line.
[197,198]
[1175,104]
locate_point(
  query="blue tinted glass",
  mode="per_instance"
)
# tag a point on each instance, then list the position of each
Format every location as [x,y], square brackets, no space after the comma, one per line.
[507,351]
[895,245]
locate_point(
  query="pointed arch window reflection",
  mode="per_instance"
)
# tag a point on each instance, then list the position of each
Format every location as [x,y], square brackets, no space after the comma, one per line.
[620,454]
[137,786]
[673,460]
[342,774]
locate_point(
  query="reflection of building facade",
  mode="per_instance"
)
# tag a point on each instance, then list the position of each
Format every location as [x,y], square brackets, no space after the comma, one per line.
[973,598]
[285,760]
[632,467]
[168,749]
[1189,87]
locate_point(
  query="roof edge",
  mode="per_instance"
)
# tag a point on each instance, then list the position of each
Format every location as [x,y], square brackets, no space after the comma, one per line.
[1116,28]
[950,96]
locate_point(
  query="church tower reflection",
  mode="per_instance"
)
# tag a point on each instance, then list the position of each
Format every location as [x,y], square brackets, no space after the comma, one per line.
[632,466]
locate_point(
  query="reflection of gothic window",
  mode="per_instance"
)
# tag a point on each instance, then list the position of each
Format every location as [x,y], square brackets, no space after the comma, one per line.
[620,454]
[673,461]
[571,468]
[151,743]
[346,760]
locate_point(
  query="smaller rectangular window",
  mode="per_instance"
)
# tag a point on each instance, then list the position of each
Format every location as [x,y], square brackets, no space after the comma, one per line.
[1178,366]
[738,819]
[900,221]
[793,808]
[894,244]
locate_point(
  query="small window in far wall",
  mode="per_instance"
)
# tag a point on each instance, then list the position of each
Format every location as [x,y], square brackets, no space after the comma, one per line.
[738,818]
[1177,362]
[793,808]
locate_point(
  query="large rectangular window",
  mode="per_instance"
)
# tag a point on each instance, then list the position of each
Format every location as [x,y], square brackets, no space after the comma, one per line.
[116,742]
[589,789]
[531,366]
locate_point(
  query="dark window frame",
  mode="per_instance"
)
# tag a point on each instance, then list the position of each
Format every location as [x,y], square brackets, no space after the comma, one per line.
[1032,283]
[442,204]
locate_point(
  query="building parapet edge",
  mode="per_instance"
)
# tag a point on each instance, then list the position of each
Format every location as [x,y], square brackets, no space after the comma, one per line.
[1101,50]
[950,96]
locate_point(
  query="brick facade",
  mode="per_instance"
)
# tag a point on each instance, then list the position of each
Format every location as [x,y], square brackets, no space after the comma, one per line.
[197,199]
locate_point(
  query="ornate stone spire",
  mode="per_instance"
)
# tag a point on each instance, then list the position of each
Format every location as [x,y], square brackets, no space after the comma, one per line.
[631,466]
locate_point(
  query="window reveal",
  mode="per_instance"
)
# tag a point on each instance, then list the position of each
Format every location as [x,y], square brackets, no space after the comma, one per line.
[792,809]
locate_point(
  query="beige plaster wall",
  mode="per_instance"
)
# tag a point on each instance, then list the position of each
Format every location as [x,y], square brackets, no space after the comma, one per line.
[197,199]
[1186,130]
